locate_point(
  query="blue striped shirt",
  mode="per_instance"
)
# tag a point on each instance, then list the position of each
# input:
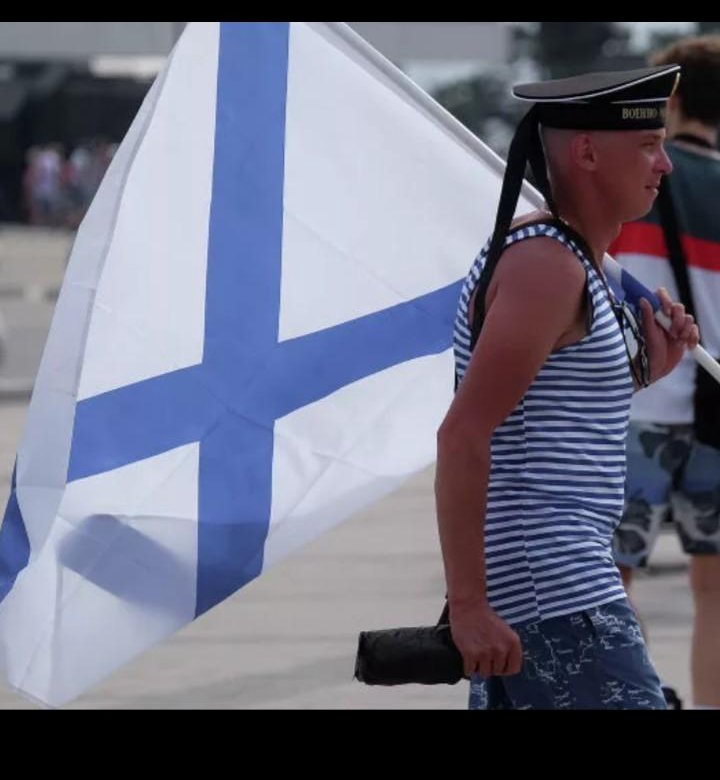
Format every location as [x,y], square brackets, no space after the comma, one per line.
[556,488]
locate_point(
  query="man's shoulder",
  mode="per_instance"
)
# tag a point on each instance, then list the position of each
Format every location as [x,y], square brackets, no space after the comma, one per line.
[541,260]
[539,234]
[543,247]
[533,218]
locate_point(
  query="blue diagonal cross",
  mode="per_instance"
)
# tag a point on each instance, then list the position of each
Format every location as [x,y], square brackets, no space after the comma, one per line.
[247,379]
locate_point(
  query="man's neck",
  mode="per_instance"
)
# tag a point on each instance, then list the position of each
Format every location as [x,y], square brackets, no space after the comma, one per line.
[598,234]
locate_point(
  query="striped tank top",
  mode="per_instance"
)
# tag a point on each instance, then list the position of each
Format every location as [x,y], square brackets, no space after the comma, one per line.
[557,478]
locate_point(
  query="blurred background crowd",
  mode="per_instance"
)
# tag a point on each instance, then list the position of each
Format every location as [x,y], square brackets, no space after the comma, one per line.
[69,90]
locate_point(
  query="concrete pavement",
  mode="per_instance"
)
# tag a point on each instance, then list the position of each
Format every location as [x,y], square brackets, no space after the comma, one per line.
[288,641]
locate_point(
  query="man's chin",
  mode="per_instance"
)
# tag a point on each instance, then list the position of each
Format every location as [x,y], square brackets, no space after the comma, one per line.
[641,211]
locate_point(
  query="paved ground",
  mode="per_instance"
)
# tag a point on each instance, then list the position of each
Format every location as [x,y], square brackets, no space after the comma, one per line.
[32,264]
[288,641]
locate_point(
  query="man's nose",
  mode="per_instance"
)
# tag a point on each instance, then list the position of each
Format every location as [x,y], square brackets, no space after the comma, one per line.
[665,163]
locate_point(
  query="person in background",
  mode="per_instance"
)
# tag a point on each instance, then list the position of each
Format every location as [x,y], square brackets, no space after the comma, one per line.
[673,446]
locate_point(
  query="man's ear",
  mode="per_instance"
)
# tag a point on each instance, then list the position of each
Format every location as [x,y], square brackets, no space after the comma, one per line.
[674,109]
[584,152]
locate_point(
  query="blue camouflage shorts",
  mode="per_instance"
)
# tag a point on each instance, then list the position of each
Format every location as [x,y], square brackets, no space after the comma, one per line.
[670,475]
[593,660]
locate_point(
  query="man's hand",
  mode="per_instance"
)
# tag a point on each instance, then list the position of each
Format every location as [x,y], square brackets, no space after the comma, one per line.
[666,350]
[489,646]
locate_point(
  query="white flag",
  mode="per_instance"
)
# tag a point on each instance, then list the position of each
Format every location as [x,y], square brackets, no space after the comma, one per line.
[253,340]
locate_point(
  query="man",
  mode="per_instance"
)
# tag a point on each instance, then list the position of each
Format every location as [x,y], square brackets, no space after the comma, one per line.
[668,467]
[531,455]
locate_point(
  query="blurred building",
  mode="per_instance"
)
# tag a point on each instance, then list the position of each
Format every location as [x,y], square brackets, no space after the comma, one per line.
[69,41]
[408,42]
[435,53]
[400,41]
[67,83]
[70,83]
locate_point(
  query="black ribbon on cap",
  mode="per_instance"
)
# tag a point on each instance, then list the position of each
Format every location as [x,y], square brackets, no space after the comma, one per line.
[526,148]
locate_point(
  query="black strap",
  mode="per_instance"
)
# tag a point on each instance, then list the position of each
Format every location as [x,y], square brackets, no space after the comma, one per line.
[445,617]
[539,168]
[524,145]
[676,253]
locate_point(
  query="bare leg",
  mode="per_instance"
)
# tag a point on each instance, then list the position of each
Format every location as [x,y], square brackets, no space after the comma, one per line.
[705,579]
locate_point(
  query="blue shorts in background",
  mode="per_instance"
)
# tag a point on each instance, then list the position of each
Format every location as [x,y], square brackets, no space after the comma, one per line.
[670,475]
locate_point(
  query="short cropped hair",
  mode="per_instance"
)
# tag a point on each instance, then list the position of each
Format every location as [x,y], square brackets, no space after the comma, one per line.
[699,88]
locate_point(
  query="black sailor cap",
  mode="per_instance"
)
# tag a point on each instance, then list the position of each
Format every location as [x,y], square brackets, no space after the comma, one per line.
[628,100]
[631,100]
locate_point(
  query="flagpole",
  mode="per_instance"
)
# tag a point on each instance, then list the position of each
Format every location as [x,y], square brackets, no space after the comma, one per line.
[701,356]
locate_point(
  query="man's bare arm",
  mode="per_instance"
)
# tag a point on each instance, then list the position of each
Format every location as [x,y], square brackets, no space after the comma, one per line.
[535,300]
